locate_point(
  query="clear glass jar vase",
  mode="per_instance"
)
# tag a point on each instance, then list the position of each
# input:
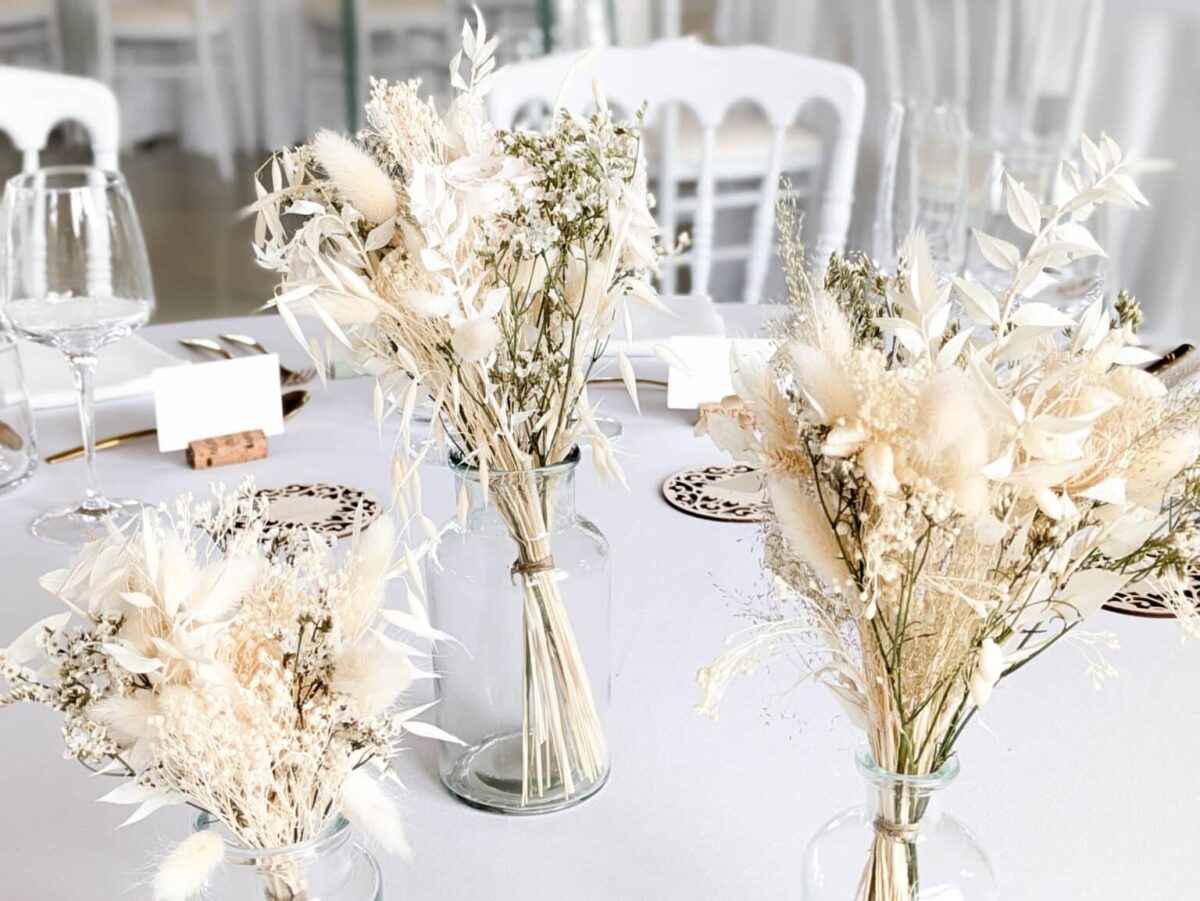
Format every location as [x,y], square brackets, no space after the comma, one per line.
[899,847]
[18,450]
[330,867]
[522,583]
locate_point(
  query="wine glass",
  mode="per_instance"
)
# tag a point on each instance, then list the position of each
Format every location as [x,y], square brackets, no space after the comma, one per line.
[77,279]
[924,183]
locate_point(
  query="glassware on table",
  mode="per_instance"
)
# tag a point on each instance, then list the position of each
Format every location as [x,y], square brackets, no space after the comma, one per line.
[18,448]
[901,846]
[537,602]
[1034,162]
[77,279]
[923,183]
[610,427]
[331,867]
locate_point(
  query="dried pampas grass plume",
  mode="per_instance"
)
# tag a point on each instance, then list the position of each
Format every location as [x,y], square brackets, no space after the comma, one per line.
[369,809]
[365,185]
[806,530]
[476,338]
[373,675]
[185,872]
[128,718]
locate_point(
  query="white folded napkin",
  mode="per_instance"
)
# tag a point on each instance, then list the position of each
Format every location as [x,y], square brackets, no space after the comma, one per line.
[122,370]
[690,315]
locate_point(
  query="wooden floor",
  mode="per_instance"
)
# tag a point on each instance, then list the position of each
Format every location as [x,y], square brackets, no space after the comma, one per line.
[200,252]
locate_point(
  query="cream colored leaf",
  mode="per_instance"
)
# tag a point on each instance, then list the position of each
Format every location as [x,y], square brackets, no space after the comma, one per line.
[1088,589]
[998,252]
[1041,315]
[979,302]
[1023,208]
[629,378]
[428,730]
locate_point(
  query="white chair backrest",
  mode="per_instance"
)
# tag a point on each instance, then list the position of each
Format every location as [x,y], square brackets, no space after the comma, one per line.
[35,102]
[708,81]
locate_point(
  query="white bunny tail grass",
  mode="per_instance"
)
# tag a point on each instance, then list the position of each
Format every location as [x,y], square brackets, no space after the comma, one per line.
[358,176]
[369,809]
[186,870]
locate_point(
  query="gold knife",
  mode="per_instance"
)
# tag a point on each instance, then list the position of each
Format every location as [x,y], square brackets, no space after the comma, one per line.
[616,380]
[292,402]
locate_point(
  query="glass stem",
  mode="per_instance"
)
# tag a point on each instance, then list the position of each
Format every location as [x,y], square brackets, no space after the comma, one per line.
[83,368]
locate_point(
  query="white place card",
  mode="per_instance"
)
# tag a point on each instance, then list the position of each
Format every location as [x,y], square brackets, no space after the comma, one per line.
[207,400]
[705,374]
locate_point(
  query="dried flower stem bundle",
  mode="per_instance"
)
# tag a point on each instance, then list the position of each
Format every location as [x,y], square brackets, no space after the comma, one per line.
[954,488]
[484,269]
[255,686]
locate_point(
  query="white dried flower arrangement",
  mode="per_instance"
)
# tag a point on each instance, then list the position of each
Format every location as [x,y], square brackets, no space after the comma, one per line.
[484,269]
[955,488]
[251,676]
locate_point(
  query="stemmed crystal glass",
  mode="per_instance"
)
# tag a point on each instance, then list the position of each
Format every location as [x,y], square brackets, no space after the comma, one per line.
[77,279]
[924,183]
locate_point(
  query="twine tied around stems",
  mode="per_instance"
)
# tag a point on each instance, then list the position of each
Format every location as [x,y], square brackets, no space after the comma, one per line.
[903,832]
[532,567]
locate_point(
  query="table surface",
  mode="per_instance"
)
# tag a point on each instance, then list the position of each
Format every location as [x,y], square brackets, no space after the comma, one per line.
[1074,793]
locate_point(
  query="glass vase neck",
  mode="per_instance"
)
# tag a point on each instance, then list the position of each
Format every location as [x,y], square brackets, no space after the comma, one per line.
[900,803]
[334,839]
[551,488]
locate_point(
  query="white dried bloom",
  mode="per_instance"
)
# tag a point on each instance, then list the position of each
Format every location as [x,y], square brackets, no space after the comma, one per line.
[963,479]
[185,871]
[476,338]
[356,175]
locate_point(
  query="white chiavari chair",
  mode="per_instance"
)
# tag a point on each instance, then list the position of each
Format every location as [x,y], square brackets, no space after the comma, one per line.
[35,104]
[709,83]
[183,41]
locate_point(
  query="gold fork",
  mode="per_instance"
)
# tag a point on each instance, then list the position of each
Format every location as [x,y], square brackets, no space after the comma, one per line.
[287,376]
[207,345]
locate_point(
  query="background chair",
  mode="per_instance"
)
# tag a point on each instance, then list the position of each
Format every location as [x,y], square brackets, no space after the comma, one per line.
[29,33]
[711,84]
[35,102]
[392,38]
[184,41]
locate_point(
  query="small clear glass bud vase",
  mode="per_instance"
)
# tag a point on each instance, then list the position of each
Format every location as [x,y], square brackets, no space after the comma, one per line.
[330,867]
[18,450]
[522,583]
[901,846]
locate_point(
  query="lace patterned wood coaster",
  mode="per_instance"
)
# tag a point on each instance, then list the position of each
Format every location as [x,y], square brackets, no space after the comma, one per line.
[1135,600]
[327,509]
[724,493]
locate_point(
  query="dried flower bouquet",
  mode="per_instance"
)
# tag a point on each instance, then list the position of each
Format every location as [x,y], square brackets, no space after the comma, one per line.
[246,674]
[955,487]
[484,269]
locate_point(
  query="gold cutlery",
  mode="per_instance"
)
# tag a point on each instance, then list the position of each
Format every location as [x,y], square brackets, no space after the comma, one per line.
[292,402]
[287,376]
[205,344]
[1170,359]
[617,380]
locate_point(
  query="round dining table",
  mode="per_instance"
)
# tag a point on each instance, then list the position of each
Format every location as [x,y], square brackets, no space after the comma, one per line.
[1075,793]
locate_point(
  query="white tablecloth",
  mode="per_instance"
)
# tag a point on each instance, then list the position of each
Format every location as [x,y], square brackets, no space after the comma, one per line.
[1075,793]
